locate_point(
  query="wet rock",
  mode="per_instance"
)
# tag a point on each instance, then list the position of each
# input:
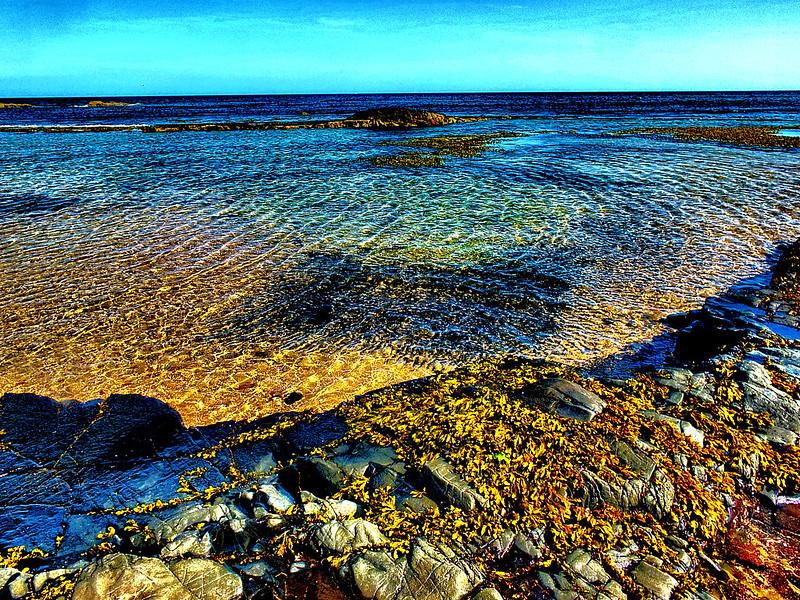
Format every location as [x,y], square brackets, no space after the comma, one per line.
[337,537]
[127,576]
[565,398]
[448,486]
[428,572]
[319,476]
[654,580]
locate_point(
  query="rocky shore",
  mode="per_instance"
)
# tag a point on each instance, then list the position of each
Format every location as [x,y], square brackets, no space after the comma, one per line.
[508,478]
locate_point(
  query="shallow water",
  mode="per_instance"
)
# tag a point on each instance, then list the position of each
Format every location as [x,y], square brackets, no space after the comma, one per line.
[221,271]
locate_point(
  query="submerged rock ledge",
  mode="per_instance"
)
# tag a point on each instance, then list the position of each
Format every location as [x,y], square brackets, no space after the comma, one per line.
[508,478]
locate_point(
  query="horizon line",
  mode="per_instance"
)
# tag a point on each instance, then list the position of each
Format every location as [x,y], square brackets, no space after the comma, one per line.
[420,93]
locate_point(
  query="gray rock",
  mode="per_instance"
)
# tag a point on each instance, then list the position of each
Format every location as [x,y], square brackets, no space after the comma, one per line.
[276,497]
[530,545]
[137,577]
[582,564]
[608,488]
[761,395]
[356,460]
[654,580]
[660,495]
[674,378]
[447,485]
[337,537]
[567,399]
[417,504]
[207,579]
[780,436]
[427,573]
[189,543]
[684,427]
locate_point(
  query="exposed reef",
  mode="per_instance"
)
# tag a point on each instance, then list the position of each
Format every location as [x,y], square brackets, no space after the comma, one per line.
[506,478]
[105,104]
[15,105]
[461,146]
[380,119]
[745,135]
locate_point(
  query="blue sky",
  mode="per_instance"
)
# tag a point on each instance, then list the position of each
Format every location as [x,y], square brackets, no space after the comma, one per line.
[114,47]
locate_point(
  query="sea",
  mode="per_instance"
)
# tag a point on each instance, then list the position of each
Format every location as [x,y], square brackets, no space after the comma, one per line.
[223,270]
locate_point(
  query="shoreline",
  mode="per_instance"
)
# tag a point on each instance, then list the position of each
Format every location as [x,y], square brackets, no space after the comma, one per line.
[391,496]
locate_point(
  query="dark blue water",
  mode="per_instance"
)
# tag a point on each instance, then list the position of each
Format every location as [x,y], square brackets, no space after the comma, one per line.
[222,270]
[712,108]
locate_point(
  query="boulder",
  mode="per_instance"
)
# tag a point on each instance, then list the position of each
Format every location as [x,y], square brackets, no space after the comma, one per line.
[448,486]
[565,398]
[654,580]
[335,537]
[760,395]
[427,573]
[128,577]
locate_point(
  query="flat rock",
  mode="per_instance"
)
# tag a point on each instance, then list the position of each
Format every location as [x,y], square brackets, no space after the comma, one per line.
[128,577]
[427,573]
[566,398]
[335,537]
[656,581]
[448,486]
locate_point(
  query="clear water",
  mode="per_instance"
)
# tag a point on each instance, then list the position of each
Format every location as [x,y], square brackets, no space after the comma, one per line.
[220,271]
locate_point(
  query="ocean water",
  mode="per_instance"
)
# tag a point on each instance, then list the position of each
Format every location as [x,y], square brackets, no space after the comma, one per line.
[220,271]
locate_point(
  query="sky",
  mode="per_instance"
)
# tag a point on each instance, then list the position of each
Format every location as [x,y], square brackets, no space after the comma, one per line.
[151,47]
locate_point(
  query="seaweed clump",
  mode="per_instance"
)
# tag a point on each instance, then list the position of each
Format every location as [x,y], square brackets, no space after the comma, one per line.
[537,470]
[461,146]
[743,135]
[408,159]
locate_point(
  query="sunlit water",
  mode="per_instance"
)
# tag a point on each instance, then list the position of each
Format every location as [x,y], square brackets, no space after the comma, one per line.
[221,271]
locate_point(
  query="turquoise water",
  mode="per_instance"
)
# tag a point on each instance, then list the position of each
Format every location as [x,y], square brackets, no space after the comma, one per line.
[214,269]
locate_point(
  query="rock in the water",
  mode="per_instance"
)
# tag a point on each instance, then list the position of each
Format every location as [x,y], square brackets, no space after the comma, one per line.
[335,537]
[448,485]
[566,398]
[127,577]
[398,118]
[428,573]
